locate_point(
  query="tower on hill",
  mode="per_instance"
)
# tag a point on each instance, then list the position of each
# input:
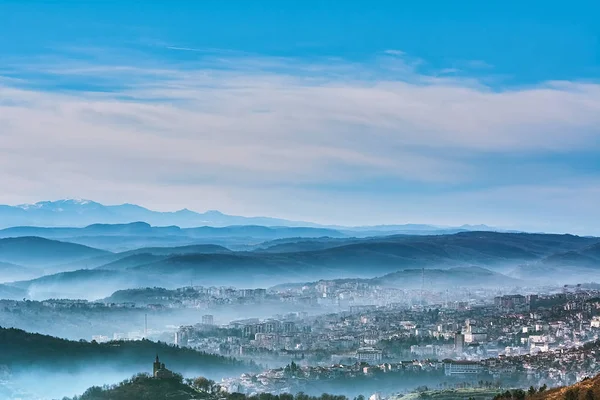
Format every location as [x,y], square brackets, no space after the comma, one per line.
[160,371]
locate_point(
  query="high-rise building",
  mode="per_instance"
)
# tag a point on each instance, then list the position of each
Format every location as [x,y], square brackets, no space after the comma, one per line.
[181,338]
[208,319]
[459,342]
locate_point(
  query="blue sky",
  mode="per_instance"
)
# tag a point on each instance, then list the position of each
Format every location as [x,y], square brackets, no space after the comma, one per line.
[349,112]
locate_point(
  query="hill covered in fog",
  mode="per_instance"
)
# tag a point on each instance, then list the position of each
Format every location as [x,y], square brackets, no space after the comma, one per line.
[131,236]
[78,270]
[37,251]
[22,350]
[439,279]
[40,366]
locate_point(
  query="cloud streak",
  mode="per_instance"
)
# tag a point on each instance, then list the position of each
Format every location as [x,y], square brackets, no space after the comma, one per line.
[233,127]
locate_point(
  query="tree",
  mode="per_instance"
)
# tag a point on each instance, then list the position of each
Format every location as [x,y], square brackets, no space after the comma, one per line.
[236,396]
[203,384]
[589,395]
[572,394]
[531,391]
[518,394]
[543,388]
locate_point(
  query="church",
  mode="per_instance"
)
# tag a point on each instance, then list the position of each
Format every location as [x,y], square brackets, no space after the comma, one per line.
[160,371]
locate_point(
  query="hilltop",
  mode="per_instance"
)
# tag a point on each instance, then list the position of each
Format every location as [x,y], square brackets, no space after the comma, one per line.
[506,258]
[132,236]
[413,279]
[587,389]
[22,350]
[145,387]
[40,252]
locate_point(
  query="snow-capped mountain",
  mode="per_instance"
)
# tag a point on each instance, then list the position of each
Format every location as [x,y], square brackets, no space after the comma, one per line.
[81,212]
[62,205]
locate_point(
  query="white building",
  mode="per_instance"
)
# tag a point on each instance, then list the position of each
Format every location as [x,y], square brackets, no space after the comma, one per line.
[462,368]
[369,354]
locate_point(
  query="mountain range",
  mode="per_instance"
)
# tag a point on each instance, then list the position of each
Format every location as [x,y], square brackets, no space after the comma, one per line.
[80,213]
[72,270]
[122,237]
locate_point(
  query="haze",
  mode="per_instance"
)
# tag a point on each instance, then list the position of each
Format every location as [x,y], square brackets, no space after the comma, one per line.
[237,200]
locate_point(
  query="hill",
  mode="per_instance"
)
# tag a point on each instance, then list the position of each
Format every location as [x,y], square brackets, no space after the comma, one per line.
[298,244]
[171,267]
[143,229]
[80,284]
[452,277]
[12,293]
[433,279]
[110,258]
[133,260]
[23,350]
[123,237]
[386,254]
[12,272]
[144,387]
[40,252]
[190,249]
[587,389]
[587,256]
[61,367]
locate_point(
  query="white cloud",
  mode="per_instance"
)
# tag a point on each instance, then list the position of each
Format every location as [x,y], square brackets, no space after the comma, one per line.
[393,52]
[240,127]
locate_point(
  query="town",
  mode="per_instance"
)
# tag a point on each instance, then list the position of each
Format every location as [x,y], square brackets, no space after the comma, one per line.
[343,330]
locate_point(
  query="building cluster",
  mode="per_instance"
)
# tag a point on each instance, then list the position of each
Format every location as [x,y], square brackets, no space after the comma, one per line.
[514,338]
[300,377]
[510,325]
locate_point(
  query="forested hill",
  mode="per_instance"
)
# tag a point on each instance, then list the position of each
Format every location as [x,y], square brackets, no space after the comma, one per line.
[21,350]
[144,387]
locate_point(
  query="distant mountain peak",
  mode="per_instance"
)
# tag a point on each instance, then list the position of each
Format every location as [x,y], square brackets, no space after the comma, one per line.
[186,211]
[74,201]
[479,227]
[79,212]
[131,205]
[213,212]
[57,204]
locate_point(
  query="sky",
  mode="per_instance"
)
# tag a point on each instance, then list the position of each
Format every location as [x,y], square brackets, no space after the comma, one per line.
[339,112]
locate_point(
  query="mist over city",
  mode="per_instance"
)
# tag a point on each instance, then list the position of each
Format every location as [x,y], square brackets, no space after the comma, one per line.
[299,200]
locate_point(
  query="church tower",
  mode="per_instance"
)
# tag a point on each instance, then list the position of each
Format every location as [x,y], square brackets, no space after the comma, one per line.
[160,371]
[156,366]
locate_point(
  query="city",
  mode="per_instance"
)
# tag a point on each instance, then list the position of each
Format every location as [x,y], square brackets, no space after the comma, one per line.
[343,330]
[299,200]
